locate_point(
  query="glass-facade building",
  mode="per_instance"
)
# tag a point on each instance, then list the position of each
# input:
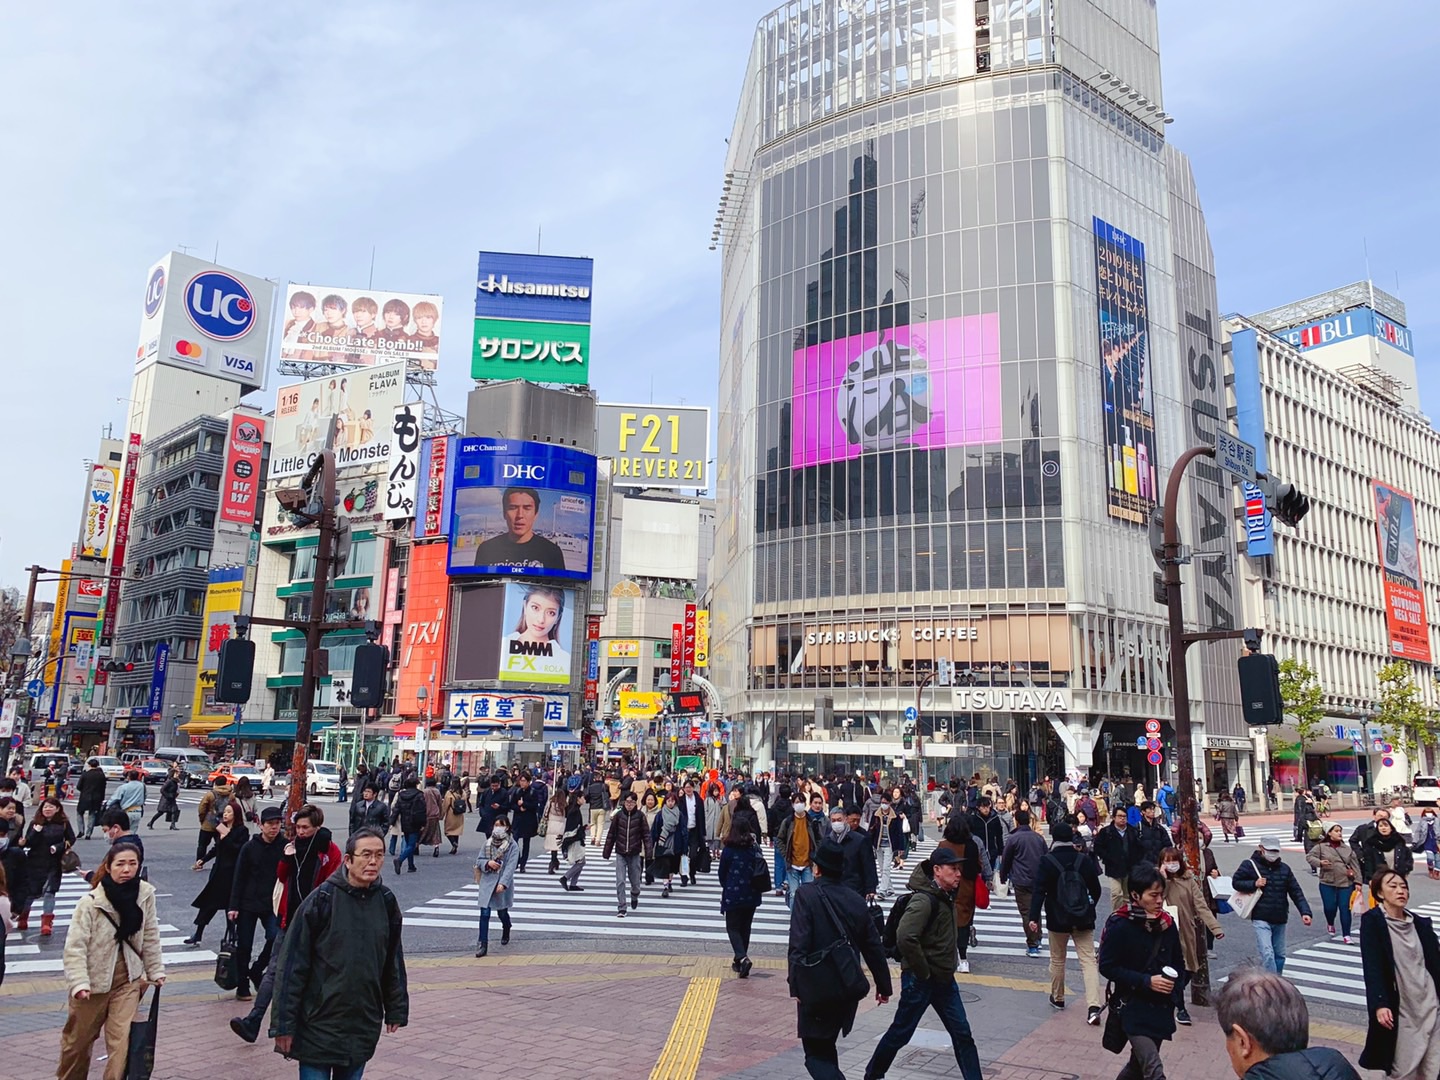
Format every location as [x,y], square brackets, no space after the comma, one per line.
[967,319]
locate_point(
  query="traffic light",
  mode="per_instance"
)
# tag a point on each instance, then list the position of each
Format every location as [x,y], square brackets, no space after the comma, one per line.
[1290,505]
[114,666]
[367,676]
[908,741]
[1260,689]
[234,670]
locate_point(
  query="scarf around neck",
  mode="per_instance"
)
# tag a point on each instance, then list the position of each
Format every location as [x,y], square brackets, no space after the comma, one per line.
[125,899]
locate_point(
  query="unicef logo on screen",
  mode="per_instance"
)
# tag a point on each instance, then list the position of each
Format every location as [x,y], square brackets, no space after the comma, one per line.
[219,305]
[154,291]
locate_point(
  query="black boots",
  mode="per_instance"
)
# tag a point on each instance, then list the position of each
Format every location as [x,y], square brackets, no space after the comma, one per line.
[482,952]
[505,936]
[247,1027]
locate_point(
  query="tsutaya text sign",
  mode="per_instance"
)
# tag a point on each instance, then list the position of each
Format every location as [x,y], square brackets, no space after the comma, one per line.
[1011,699]
[842,635]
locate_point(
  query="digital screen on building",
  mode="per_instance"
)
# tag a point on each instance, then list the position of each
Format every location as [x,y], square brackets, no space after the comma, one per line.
[1400,564]
[927,385]
[687,703]
[539,624]
[521,508]
[1127,389]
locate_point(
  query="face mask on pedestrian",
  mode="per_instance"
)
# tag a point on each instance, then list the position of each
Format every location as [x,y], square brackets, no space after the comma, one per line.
[798,807]
[498,832]
[839,828]
[1171,867]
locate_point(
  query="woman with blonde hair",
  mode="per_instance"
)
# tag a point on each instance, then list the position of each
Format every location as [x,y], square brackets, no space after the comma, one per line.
[112,951]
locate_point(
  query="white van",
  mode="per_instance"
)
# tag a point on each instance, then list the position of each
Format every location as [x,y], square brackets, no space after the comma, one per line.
[1426,791]
[322,778]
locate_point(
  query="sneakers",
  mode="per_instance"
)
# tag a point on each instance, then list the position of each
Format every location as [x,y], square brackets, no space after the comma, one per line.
[1033,950]
[1092,1015]
[1348,941]
[1182,1017]
[620,914]
[964,967]
[1330,930]
[1057,1003]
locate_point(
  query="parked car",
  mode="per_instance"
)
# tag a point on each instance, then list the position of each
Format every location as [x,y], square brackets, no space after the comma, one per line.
[152,771]
[322,778]
[110,766]
[41,760]
[1426,791]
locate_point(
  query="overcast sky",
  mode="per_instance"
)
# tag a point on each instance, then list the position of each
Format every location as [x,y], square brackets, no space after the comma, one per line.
[429,131]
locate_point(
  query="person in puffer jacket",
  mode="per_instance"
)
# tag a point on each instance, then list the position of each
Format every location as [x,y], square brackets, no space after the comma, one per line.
[1266,872]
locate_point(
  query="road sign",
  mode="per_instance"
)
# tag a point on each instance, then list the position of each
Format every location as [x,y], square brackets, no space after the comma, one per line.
[912,713]
[35,688]
[1154,757]
[1152,727]
[1152,744]
[1388,762]
[1140,742]
[1377,745]
[1235,456]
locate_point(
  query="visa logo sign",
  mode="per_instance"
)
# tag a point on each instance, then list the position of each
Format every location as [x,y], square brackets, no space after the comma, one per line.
[241,365]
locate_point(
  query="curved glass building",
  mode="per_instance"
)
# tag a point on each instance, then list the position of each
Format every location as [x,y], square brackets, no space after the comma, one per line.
[968,320]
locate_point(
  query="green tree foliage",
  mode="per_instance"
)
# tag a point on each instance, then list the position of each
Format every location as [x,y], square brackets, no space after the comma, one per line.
[1304,709]
[1402,714]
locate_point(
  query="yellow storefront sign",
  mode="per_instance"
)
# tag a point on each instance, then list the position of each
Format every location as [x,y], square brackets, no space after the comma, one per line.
[641,704]
[623,649]
[702,637]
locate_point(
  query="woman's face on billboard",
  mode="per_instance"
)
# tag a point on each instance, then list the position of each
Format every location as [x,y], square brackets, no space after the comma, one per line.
[541,615]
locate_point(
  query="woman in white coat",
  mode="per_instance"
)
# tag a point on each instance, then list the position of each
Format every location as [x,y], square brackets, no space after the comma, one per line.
[495,876]
[112,950]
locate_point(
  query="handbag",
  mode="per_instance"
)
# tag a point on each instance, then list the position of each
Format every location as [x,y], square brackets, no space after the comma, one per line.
[1244,903]
[226,974]
[760,879]
[982,892]
[832,975]
[905,825]
[1239,831]
[69,861]
[140,1062]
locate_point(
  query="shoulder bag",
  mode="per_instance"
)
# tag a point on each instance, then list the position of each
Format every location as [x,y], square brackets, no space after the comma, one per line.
[760,880]
[1243,903]
[832,975]
[140,1064]
[227,975]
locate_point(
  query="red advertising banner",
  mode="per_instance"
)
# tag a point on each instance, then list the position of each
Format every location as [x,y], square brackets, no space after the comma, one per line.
[425,629]
[434,496]
[677,654]
[1400,569]
[592,651]
[688,661]
[240,491]
[122,540]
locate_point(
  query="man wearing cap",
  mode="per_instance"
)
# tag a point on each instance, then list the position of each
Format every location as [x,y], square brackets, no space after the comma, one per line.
[250,898]
[926,940]
[1268,874]
[824,913]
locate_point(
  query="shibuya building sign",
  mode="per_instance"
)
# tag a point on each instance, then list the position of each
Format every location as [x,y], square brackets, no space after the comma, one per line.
[890,635]
[1011,699]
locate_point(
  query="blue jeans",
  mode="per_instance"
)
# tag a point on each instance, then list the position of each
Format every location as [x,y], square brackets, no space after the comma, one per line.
[1334,897]
[793,880]
[916,995]
[1271,939]
[331,1072]
[411,841]
[779,868]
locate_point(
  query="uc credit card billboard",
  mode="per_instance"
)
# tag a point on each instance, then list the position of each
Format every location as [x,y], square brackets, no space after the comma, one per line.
[521,508]
[1400,565]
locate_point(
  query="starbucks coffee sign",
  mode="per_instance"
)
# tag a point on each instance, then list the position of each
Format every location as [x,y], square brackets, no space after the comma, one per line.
[1011,699]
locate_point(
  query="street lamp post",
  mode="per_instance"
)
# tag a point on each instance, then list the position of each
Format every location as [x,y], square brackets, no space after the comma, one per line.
[423,696]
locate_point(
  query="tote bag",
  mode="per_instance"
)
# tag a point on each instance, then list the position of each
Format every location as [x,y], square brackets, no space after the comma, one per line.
[1243,904]
[140,1064]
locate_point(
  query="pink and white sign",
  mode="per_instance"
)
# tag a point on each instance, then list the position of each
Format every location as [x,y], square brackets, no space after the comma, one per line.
[928,385]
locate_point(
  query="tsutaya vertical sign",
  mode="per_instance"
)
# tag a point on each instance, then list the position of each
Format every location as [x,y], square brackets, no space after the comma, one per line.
[401,481]
[122,540]
[677,653]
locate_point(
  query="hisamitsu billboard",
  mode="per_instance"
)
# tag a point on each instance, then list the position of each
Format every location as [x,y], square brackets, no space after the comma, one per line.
[538,288]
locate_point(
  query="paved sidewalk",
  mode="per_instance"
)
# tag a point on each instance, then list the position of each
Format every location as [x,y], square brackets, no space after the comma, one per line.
[607,1016]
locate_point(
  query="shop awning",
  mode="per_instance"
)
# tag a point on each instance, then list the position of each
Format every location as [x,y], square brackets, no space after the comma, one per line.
[205,725]
[267,730]
[406,729]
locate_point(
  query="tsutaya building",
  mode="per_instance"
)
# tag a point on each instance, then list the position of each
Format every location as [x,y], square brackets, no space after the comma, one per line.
[968,320]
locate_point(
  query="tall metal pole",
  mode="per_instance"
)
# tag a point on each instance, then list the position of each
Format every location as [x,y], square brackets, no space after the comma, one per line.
[1180,643]
[314,631]
[15,680]
[920,766]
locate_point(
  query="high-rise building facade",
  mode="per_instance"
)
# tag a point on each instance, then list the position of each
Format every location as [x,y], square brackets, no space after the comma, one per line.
[968,319]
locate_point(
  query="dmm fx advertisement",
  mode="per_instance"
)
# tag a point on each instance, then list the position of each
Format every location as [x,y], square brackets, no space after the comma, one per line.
[532,318]
[1400,564]
[539,622]
[1127,390]
[521,508]
[655,445]
[351,414]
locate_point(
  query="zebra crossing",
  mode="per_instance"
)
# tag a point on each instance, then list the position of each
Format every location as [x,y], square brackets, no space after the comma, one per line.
[688,914]
[25,955]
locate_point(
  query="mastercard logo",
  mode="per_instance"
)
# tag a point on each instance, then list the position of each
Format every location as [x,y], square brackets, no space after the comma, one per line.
[190,349]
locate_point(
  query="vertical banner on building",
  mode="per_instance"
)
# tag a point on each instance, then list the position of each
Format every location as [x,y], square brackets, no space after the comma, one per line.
[157,680]
[432,516]
[688,664]
[1126,388]
[223,597]
[240,491]
[677,654]
[592,661]
[702,638]
[121,541]
[402,476]
[1250,423]
[99,513]
[1400,566]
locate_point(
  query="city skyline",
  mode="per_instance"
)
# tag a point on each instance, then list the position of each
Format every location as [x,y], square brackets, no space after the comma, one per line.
[145,153]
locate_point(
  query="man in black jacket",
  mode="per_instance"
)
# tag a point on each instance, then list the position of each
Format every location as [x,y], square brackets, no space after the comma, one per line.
[812,930]
[409,813]
[1152,837]
[1119,851]
[988,829]
[853,792]
[629,837]
[859,871]
[91,791]
[1267,1031]
[1067,887]
[1268,874]
[368,811]
[252,899]
[1138,943]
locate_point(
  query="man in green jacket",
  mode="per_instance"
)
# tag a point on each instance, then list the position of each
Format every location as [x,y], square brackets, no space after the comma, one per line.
[341,970]
[926,940]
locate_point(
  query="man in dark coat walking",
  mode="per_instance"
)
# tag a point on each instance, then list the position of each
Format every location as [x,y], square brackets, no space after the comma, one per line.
[525,806]
[812,929]
[252,898]
[92,797]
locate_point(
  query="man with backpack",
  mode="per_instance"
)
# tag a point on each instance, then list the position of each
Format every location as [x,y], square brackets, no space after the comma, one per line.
[1067,886]
[409,813]
[1019,864]
[920,933]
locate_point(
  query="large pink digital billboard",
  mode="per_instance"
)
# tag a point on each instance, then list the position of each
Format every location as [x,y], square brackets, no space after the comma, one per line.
[928,385]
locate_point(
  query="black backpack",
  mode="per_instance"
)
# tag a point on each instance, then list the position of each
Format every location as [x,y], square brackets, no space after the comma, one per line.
[890,937]
[1072,898]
